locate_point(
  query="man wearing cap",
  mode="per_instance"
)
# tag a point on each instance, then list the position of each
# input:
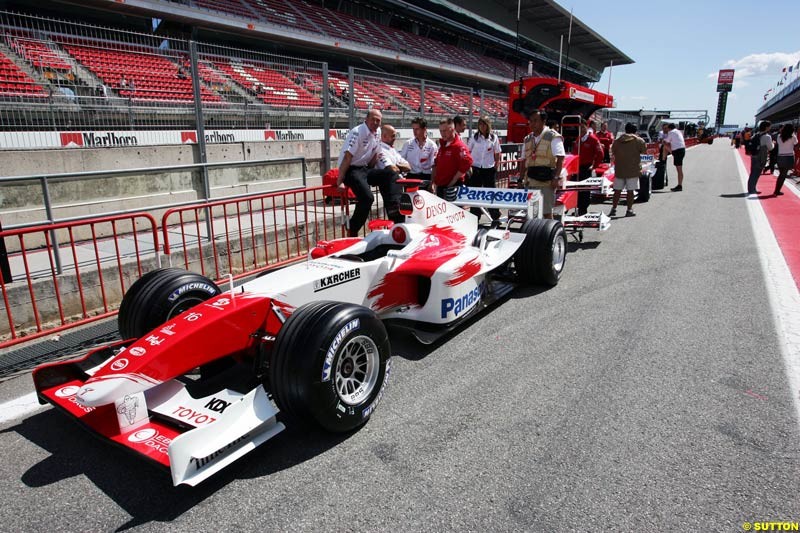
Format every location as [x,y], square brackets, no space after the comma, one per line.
[544,156]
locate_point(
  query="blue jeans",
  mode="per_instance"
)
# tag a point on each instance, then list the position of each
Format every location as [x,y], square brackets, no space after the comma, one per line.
[755,173]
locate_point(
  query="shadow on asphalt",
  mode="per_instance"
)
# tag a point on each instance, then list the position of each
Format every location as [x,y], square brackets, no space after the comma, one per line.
[734,195]
[122,476]
[573,246]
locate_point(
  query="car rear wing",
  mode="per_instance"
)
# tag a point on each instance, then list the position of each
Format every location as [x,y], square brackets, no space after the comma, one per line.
[517,199]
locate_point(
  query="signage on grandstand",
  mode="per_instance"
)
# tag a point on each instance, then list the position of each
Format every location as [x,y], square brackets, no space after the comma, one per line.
[725,81]
[22,140]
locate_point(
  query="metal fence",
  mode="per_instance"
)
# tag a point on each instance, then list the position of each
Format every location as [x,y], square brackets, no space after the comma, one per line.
[61,76]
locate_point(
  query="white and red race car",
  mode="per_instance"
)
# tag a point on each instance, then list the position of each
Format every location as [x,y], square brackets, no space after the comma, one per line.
[202,375]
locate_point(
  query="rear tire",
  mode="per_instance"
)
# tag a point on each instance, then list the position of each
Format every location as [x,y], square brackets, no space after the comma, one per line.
[541,258]
[330,364]
[160,296]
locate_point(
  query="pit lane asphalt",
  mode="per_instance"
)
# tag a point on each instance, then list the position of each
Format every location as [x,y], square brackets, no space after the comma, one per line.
[646,392]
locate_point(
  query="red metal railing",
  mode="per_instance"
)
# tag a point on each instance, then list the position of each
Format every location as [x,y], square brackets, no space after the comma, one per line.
[244,235]
[72,270]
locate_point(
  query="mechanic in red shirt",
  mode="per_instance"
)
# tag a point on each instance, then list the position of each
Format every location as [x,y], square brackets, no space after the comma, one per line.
[606,139]
[452,162]
[590,153]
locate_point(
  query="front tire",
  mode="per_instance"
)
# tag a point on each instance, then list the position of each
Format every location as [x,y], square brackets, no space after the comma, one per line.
[159,296]
[541,258]
[330,364]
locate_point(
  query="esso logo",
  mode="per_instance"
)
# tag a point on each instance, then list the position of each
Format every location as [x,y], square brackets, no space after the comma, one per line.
[119,364]
[419,201]
[66,392]
[142,435]
[138,351]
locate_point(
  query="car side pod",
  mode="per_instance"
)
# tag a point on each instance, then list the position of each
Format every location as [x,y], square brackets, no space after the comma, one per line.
[197,454]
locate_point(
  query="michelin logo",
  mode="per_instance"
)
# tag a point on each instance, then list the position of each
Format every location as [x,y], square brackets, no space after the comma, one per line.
[337,340]
[464,303]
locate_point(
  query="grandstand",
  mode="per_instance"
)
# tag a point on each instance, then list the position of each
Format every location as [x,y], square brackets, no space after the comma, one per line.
[258,62]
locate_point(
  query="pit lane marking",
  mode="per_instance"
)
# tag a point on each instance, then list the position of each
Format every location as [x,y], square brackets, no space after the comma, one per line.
[782,292]
[19,407]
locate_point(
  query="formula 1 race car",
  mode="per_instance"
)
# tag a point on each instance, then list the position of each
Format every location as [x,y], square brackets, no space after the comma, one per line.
[202,375]
[604,181]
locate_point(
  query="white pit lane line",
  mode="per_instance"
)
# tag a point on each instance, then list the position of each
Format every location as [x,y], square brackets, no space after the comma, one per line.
[19,407]
[782,292]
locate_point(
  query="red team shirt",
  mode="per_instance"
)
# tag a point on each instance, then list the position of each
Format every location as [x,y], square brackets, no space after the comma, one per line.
[451,158]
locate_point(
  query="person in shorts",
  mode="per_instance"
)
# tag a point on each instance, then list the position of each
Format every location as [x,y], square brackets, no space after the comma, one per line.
[677,147]
[626,154]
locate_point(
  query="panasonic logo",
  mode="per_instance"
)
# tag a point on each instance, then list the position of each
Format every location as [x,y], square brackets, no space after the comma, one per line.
[336,279]
[465,302]
[491,195]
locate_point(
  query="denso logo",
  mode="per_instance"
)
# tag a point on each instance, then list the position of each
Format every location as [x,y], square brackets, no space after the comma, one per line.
[465,302]
[434,210]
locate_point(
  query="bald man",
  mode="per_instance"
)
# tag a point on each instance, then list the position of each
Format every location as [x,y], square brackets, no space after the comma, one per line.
[357,162]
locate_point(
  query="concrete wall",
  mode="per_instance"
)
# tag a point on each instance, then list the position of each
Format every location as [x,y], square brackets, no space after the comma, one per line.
[23,202]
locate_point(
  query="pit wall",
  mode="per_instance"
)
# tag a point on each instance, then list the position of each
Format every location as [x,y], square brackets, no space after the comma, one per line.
[22,202]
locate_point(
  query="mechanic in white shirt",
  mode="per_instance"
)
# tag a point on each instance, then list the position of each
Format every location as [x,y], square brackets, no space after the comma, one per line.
[677,147]
[484,145]
[388,156]
[356,161]
[420,151]
[544,157]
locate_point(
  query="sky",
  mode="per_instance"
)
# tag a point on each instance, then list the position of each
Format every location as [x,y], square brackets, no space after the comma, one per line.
[679,47]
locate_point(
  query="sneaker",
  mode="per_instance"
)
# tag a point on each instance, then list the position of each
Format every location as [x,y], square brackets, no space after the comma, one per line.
[612,213]
[777,193]
[677,188]
[630,213]
[753,192]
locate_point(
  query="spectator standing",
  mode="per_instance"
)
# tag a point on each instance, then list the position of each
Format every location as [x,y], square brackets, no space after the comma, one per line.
[606,139]
[590,154]
[773,154]
[787,140]
[453,161]
[737,139]
[759,156]
[544,157]
[484,146]
[123,83]
[460,125]
[626,152]
[677,147]
[357,160]
[420,151]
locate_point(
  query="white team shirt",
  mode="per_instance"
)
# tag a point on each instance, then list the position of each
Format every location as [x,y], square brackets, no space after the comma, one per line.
[420,158]
[483,149]
[362,143]
[675,139]
[388,156]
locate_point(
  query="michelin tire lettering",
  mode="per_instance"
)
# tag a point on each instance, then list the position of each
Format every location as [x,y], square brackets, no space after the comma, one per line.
[205,287]
[337,340]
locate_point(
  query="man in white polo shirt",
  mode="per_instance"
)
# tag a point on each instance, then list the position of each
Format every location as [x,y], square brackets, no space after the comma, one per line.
[677,146]
[388,157]
[357,160]
[420,151]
